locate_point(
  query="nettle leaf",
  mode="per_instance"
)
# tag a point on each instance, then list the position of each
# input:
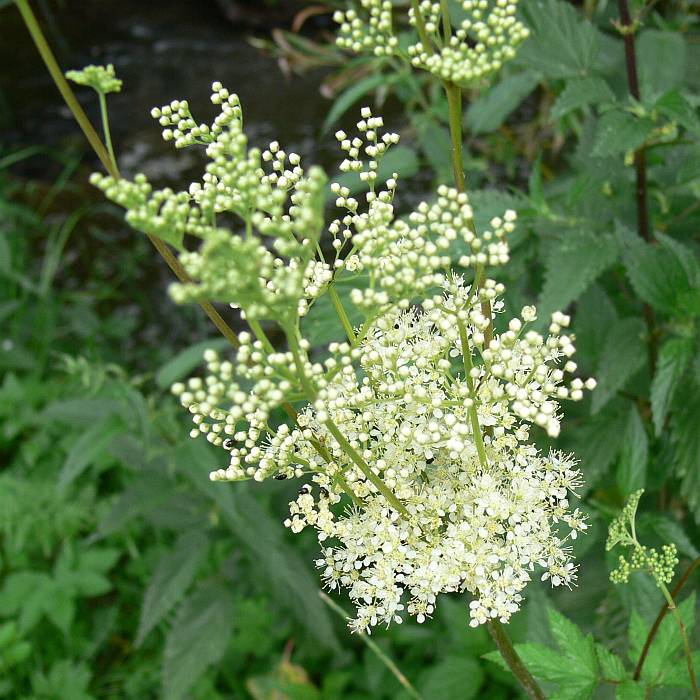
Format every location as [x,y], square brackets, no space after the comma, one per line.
[197,639]
[611,666]
[573,263]
[673,359]
[488,112]
[634,456]
[579,649]
[623,355]
[661,57]
[562,43]
[581,92]
[173,575]
[542,661]
[665,276]
[685,436]
[668,643]
[678,108]
[453,678]
[620,131]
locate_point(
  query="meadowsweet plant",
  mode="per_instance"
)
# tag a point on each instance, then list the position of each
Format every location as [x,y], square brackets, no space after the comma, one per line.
[412,434]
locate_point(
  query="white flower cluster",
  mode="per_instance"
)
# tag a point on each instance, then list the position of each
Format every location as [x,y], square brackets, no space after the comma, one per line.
[482,525]
[415,431]
[484,39]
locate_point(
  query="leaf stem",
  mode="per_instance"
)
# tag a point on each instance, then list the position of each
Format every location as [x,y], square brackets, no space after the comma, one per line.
[375,648]
[662,614]
[515,663]
[342,315]
[671,605]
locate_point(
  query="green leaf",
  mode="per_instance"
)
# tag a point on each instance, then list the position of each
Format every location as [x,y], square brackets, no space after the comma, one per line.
[581,92]
[197,639]
[677,676]
[611,666]
[434,142]
[669,530]
[620,131]
[661,58]
[453,678]
[571,266]
[617,367]
[185,361]
[488,112]
[630,690]
[665,276]
[577,648]
[562,44]
[542,661]
[685,437]
[678,108]
[88,449]
[352,94]
[668,643]
[173,575]
[672,362]
[632,470]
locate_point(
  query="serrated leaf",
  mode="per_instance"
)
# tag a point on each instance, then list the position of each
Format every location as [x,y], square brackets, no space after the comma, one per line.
[677,676]
[632,469]
[581,92]
[573,263]
[562,43]
[542,661]
[620,131]
[488,112]
[668,643]
[663,276]
[611,666]
[453,678]
[186,360]
[671,364]
[661,58]
[617,367]
[173,575]
[677,107]
[197,639]
[685,437]
[573,644]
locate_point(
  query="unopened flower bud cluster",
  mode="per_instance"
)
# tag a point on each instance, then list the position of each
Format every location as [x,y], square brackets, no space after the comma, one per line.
[102,79]
[660,563]
[408,498]
[481,42]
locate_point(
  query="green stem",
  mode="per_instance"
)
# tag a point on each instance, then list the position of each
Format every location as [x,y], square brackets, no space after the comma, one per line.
[662,614]
[515,663]
[474,417]
[344,320]
[355,456]
[105,129]
[671,604]
[446,26]
[454,103]
[420,25]
[62,84]
[374,647]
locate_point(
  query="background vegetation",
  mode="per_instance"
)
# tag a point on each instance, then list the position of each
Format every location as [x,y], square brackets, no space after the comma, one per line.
[124,573]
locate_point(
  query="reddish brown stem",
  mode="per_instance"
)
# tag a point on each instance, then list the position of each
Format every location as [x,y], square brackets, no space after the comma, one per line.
[627,29]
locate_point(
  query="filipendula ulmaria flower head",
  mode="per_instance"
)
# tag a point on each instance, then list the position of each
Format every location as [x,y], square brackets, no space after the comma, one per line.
[660,563]
[487,35]
[409,499]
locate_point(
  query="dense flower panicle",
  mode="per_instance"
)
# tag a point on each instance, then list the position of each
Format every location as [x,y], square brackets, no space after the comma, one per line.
[482,41]
[407,496]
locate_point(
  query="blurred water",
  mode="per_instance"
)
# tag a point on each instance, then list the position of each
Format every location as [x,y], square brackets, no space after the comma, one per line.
[162,51]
